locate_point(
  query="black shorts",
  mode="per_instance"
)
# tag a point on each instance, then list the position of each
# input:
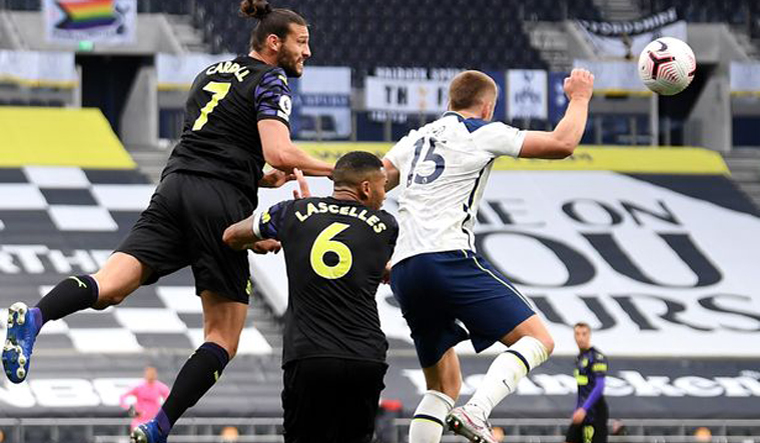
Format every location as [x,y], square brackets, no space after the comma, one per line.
[183,226]
[591,431]
[328,400]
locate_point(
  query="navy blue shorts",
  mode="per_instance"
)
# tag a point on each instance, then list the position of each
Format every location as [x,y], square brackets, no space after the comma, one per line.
[435,290]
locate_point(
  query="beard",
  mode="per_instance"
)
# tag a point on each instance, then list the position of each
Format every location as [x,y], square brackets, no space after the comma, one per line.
[288,61]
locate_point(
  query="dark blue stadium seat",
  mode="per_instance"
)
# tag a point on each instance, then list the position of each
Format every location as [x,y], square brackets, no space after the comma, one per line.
[72,434]
[364,35]
[24,5]
[737,12]
[40,434]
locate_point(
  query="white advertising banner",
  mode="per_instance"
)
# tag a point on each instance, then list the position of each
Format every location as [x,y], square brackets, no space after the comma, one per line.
[627,39]
[745,77]
[179,71]
[324,96]
[102,21]
[614,76]
[38,68]
[654,271]
[426,96]
[527,94]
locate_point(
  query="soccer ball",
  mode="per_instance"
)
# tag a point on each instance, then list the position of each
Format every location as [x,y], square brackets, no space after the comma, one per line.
[667,65]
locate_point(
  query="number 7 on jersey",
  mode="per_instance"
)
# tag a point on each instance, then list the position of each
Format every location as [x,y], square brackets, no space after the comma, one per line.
[218,91]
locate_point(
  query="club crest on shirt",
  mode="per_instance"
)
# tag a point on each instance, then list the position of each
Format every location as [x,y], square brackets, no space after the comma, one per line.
[286,105]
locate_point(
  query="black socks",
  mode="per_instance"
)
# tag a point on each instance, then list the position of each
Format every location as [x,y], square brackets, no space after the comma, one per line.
[69,296]
[197,376]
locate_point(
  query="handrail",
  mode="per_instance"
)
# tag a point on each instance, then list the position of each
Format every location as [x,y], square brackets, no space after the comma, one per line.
[269,429]
[259,421]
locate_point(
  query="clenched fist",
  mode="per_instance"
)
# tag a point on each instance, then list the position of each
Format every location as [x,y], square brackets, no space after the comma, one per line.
[580,84]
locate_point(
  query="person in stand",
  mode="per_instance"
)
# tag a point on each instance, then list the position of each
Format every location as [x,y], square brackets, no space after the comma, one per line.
[148,395]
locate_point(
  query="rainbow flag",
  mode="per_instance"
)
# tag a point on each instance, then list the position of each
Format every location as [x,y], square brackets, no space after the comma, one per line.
[86,14]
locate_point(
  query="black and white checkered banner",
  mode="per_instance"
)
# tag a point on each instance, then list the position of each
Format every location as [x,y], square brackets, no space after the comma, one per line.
[56,222]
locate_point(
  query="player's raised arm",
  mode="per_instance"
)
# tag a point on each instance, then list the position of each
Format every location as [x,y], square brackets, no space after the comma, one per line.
[259,232]
[561,142]
[282,154]
[393,159]
[392,173]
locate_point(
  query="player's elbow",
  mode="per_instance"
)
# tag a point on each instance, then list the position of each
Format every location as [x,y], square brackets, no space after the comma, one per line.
[278,160]
[283,158]
[562,149]
[228,237]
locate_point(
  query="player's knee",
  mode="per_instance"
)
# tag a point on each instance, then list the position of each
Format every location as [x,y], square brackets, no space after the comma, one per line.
[548,343]
[111,291]
[231,349]
[108,298]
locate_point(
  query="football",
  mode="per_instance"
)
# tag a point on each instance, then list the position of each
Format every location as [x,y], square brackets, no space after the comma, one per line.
[667,66]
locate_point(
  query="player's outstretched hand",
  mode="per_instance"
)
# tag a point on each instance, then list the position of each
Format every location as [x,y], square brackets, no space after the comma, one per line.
[580,84]
[303,187]
[266,246]
[275,178]
[240,235]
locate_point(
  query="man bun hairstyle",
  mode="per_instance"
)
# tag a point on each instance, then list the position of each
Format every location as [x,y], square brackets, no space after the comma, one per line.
[257,9]
[470,88]
[270,21]
[352,168]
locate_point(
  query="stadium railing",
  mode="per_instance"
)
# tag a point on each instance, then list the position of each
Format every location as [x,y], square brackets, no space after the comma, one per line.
[523,430]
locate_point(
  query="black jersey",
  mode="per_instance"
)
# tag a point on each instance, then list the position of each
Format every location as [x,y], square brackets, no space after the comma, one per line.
[220,136]
[335,252]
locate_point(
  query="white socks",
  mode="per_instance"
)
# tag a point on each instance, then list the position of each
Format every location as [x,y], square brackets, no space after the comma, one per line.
[505,372]
[429,418]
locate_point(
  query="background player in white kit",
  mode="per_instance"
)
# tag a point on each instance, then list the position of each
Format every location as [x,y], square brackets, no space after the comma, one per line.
[437,276]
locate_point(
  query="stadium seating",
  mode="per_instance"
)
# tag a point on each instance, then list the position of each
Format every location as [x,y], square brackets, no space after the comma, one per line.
[390,38]
[400,34]
[735,12]
[23,5]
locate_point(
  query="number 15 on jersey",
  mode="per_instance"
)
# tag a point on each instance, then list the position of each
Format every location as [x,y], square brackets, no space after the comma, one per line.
[430,156]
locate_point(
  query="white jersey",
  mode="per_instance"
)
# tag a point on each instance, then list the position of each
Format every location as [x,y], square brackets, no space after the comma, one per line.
[443,169]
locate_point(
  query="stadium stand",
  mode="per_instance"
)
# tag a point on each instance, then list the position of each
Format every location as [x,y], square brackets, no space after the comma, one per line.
[729,11]
[447,41]
[400,34]
[739,13]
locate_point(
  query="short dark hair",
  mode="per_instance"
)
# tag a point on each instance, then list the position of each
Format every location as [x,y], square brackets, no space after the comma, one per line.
[469,88]
[271,21]
[352,168]
[582,324]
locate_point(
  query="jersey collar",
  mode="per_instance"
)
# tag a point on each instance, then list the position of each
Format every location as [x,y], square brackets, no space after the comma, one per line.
[454,113]
[591,349]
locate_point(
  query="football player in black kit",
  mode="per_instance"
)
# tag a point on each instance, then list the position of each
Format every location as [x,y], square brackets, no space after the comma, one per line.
[336,249]
[236,120]
[589,421]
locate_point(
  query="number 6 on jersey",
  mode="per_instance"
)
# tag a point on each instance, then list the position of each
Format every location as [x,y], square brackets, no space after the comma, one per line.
[324,244]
